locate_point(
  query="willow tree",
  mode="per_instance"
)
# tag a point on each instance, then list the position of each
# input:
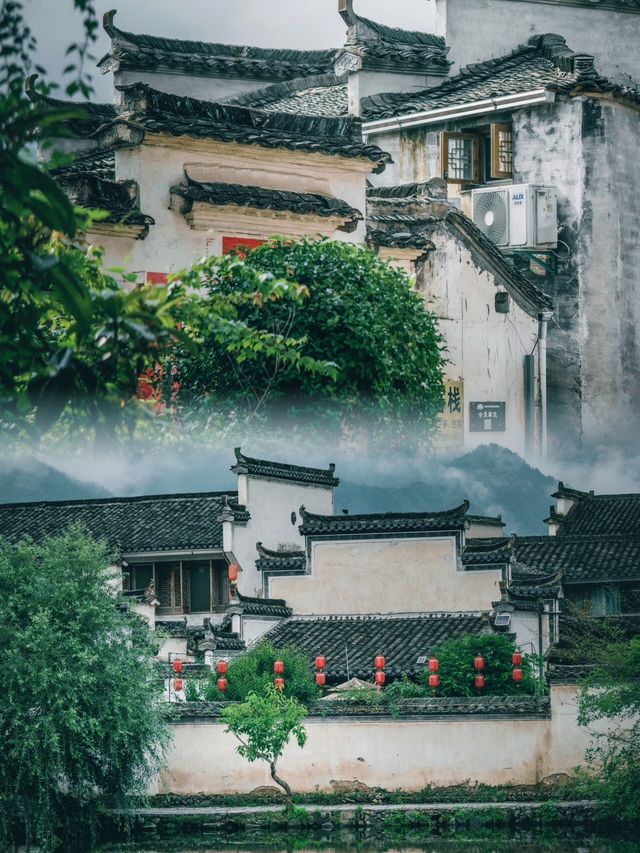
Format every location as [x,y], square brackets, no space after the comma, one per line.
[82,717]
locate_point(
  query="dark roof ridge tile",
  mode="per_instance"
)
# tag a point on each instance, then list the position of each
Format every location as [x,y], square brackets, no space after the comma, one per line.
[283,470]
[454,512]
[275,91]
[122,499]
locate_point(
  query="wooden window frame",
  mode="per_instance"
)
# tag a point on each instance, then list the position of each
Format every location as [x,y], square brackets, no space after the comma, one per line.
[496,130]
[445,137]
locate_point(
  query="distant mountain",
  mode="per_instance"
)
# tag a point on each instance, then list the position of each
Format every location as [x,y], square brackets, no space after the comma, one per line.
[27,479]
[495,481]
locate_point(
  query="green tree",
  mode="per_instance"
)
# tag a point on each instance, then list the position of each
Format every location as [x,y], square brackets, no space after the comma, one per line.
[253,673]
[456,671]
[611,693]
[361,314]
[82,711]
[264,724]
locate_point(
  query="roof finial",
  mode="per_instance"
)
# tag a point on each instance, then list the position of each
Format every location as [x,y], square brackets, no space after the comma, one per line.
[345,7]
[107,23]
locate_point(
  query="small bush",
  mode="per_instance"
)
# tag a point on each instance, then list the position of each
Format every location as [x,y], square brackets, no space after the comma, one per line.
[457,673]
[253,672]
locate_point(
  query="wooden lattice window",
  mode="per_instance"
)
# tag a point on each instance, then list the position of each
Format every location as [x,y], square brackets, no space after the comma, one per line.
[501,150]
[460,157]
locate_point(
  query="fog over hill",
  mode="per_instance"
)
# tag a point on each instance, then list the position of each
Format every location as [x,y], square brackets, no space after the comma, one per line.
[495,480]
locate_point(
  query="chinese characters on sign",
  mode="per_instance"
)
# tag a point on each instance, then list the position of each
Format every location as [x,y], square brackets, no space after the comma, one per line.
[487,417]
[450,430]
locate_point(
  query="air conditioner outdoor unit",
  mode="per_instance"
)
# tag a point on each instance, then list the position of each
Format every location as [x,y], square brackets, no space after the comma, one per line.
[518,216]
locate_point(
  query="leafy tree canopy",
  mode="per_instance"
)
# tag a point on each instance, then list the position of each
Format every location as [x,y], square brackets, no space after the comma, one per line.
[361,315]
[81,715]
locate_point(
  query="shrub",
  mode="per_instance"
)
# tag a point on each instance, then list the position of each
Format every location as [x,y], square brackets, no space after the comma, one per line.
[253,672]
[457,673]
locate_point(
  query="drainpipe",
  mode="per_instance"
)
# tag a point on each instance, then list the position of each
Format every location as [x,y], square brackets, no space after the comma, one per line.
[543,320]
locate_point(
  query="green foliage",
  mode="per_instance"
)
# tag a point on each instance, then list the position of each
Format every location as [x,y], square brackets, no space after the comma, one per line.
[82,712]
[264,723]
[612,693]
[361,316]
[253,672]
[457,673]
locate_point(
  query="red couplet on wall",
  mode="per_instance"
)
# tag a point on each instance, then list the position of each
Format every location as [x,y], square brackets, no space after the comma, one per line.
[239,243]
[157,277]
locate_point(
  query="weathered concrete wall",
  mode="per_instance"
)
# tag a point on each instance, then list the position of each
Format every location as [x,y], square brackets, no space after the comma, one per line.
[609,245]
[388,753]
[386,576]
[271,503]
[477,30]
[484,348]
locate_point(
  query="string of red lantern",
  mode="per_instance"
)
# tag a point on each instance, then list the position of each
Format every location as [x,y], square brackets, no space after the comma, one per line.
[434,678]
[222,668]
[278,668]
[320,677]
[379,677]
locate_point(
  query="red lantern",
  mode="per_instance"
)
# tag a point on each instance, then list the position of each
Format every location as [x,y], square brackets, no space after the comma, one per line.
[222,684]
[516,658]
[479,681]
[479,663]
[379,662]
[517,675]
[177,666]
[321,662]
[279,683]
[321,679]
[177,684]
[278,667]
[380,678]
[222,667]
[434,681]
[434,664]
[233,572]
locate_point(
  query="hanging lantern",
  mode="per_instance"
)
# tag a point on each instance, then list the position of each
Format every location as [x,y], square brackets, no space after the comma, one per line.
[278,667]
[279,683]
[177,666]
[479,682]
[434,681]
[321,679]
[434,664]
[478,663]
[517,676]
[177,684]
[380,678]
[222,667]
[222,684]
[379,662]
[516,658]
[321,662]
[233,572]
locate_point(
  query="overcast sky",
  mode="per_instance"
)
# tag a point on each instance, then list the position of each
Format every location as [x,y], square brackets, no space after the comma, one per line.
[264,23]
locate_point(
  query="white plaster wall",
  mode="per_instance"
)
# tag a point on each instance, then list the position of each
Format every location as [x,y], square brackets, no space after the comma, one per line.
[525,626]
[159,164]
[271,503]
[392,754]
[477,30]
[386,576]
[252,628]
[484,349]
[195,86]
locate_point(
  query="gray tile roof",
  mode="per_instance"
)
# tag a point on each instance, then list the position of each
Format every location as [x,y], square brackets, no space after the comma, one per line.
[492,551]
[100,162]
[258,198]
[137,524]
[388,522]
[582,559]
[401,639]
[264,606]
[117,198]
[150,110]
[141,51]
[600,515]
[398,239]
[280,471]
[322,95]
[88,116]
[545,61]
[280,561]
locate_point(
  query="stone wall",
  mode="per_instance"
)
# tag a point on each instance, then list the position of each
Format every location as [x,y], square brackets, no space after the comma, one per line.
[437,742]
